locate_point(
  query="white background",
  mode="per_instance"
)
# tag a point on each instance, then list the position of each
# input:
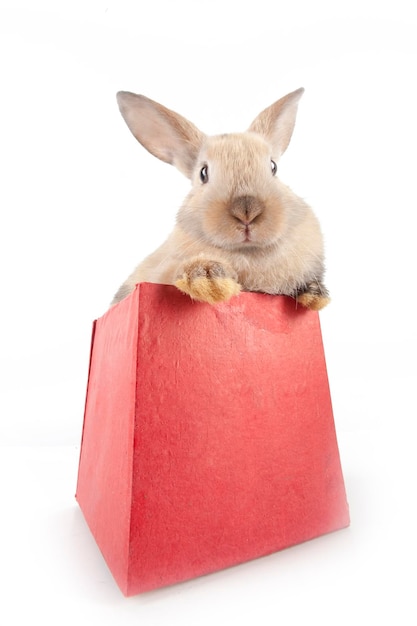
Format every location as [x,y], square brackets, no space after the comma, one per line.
[81,203]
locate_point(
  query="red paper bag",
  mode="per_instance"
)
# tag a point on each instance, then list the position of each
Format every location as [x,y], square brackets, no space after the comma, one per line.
[208,435]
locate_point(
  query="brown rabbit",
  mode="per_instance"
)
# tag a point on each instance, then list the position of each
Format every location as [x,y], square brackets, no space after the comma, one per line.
[239,227]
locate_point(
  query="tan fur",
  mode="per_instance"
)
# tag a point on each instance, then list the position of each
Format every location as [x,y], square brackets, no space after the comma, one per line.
[208,281]
[316,303]
[243,229]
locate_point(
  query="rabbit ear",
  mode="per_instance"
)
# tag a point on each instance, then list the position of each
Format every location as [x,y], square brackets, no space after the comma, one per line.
[164,133]
[276,123]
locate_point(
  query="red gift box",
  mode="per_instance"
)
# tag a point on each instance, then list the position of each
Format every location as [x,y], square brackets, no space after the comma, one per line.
[208,435]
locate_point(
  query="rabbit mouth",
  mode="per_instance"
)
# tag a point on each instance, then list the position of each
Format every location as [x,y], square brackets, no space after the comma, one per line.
[247,238]
[247,234]
[250,238]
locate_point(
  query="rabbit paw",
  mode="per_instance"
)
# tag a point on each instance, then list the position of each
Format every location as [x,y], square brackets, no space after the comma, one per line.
[207,281]
[314,297]
[313,301]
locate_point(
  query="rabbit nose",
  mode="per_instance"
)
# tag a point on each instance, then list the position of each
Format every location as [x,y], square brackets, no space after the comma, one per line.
[246,208]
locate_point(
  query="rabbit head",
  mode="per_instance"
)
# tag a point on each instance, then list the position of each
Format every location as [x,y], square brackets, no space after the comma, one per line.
[239,227]
[236,200]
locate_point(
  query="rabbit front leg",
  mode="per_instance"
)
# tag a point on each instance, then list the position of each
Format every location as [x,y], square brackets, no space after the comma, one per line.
[313,295]
[207,280]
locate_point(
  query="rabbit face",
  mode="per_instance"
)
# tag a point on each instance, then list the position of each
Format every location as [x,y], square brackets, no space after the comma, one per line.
[236,200]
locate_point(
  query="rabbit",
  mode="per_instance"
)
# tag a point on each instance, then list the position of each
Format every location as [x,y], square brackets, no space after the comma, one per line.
[239,228]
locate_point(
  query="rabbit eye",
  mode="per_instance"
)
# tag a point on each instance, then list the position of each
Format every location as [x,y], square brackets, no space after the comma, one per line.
[273,167]
[204,174]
